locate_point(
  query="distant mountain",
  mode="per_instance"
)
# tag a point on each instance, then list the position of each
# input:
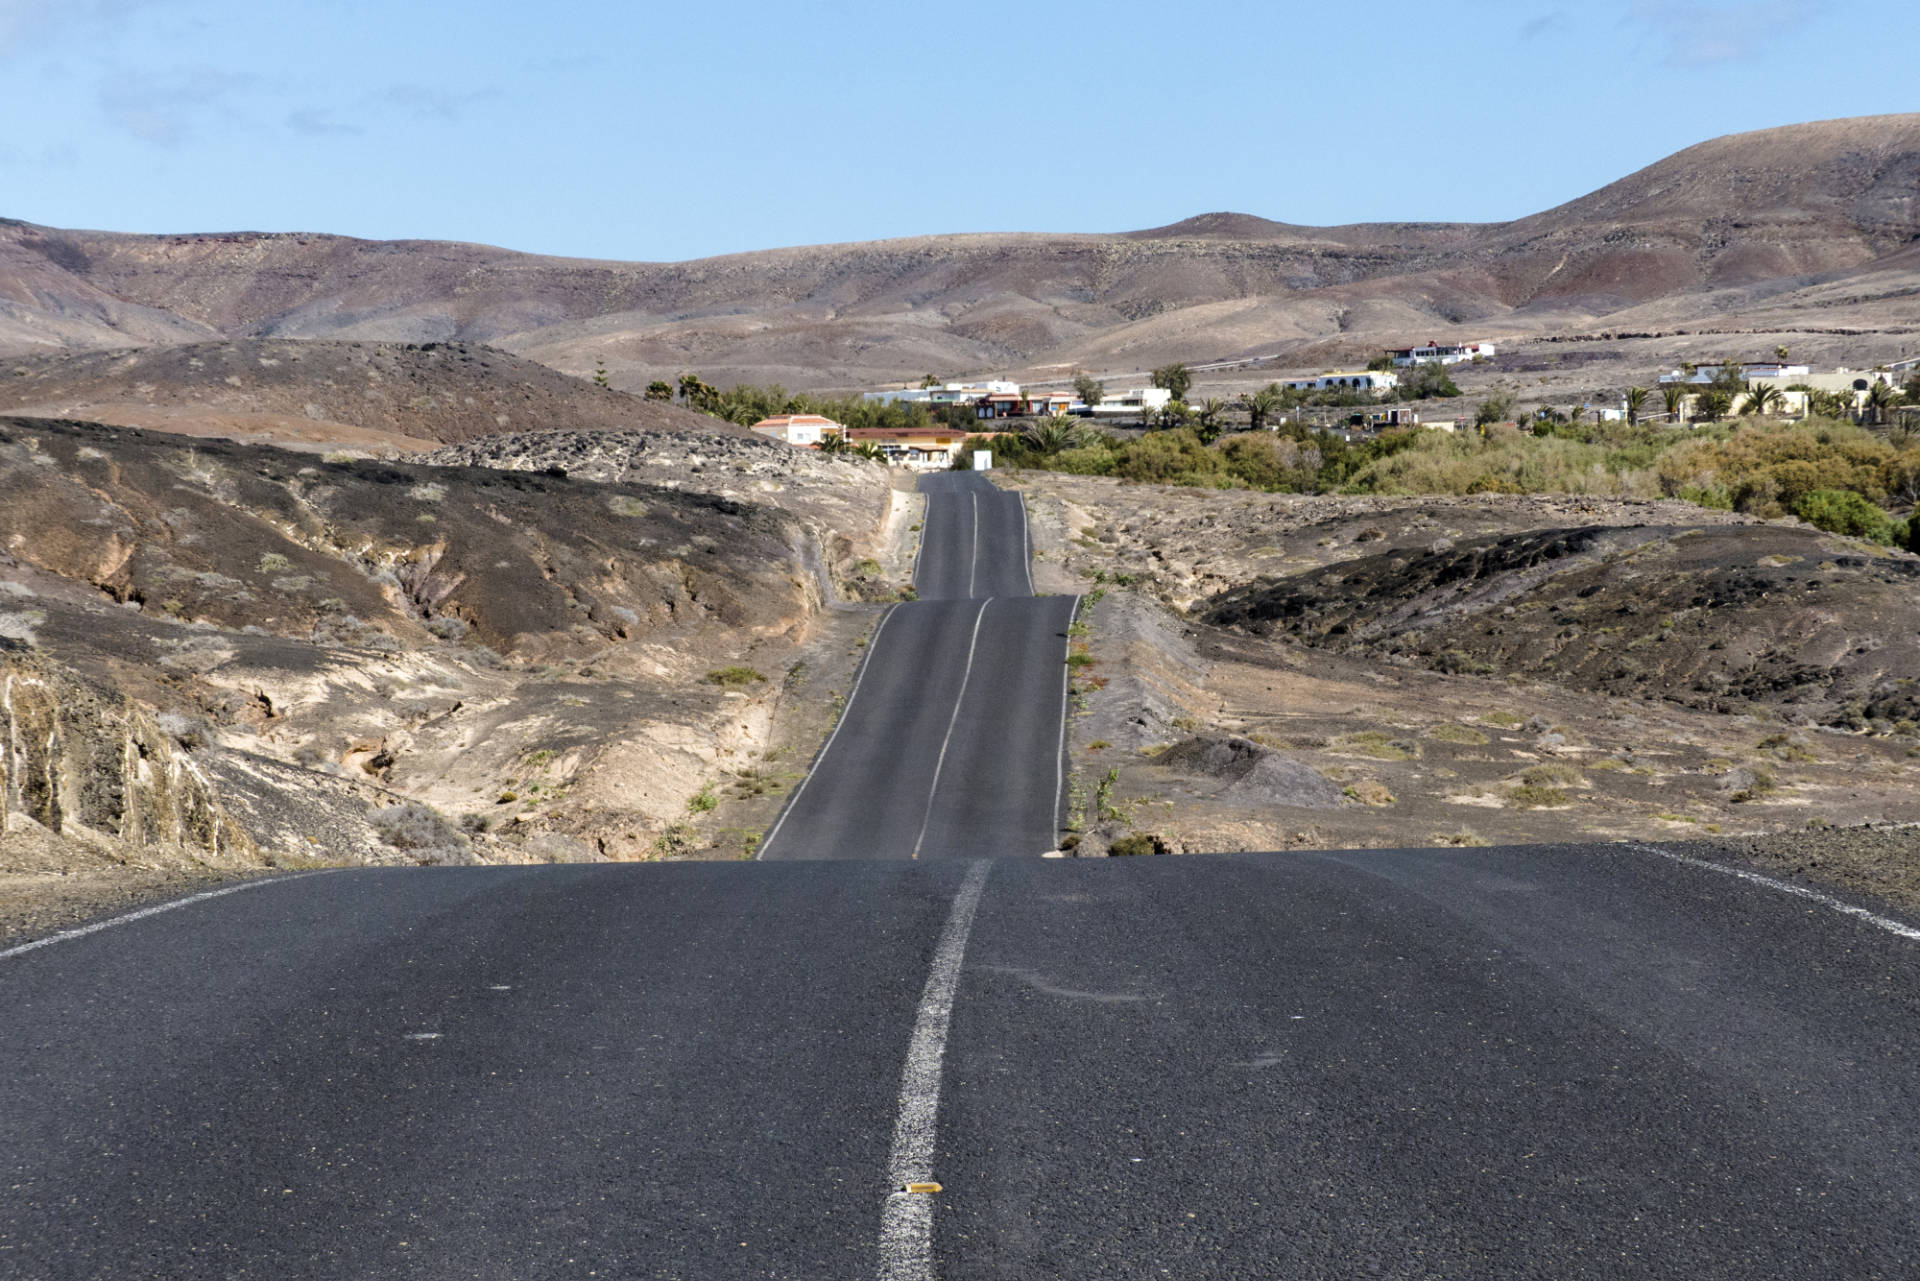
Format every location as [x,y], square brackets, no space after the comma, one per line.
[1804,224]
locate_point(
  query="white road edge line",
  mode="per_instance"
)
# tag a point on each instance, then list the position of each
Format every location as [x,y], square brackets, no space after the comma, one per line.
[846,710]
[128,918]
[906,1224]
[1888,924]
[920,552]
[973,567]
[1066,688]
[1026,547]
[940,762]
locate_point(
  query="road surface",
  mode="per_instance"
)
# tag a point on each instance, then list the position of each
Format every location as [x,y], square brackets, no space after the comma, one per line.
[1560,1062]
[952,740]
[1568,1063]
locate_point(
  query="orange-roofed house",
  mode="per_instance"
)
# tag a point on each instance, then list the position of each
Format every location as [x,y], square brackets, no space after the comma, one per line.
[804,430]
[921,448]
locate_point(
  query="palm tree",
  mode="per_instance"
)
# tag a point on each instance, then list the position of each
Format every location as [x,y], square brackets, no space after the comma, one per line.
[1261,405]
[1053,435]
[1713,404]
[1674,397]
[1636,404]
[1207,422]
[1763,400]
[1880,399]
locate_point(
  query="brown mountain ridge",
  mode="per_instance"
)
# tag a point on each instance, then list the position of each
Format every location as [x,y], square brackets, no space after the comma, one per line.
[1770,228]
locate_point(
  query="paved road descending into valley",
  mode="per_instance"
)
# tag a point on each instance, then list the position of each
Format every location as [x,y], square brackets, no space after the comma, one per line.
[1569,1063]
[951,744]
[1586,1063]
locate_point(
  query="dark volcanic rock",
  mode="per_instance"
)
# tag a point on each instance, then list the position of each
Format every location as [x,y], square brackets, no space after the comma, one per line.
[1255,775]
[1719,617]
[390,555]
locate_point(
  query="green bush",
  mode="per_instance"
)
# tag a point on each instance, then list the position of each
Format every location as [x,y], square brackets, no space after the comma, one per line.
[1169,457]
[1840,511]
[730,677]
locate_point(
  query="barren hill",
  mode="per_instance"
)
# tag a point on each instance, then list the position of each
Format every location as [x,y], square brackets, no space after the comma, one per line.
[1782,227]
[405,394]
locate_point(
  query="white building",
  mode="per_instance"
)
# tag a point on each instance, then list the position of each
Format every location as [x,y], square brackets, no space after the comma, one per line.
[1705,374]
[946,393]
[804,430]
[1440,353]
[1343,380]
[1133,402]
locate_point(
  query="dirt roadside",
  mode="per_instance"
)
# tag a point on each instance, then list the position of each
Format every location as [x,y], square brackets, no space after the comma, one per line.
[1191,737]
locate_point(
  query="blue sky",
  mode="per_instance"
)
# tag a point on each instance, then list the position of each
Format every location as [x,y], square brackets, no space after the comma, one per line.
[647,131]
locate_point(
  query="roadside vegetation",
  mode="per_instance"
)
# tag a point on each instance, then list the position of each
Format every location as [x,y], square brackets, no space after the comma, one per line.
[1835,475]
[1839,476]
[747,404]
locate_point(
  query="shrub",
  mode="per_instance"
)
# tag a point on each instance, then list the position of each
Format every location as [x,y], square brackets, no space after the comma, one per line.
[1462,734]
[1840,511]
[703,801]
[418,830]
[1379,745]
[1137,843]
[1170,457]
[1368,791]
[731,677]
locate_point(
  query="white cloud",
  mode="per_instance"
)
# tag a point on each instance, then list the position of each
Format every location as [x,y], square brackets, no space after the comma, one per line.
[170,108]
[1700,34]
[318,122]
[27,23]
[428,102]
[1546,24]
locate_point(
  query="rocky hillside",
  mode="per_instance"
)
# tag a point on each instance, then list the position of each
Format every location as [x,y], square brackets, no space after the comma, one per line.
[410,395]
[1798,224]
[1819,629]
[846,501]
[89,762]
[386,554]
[216,656]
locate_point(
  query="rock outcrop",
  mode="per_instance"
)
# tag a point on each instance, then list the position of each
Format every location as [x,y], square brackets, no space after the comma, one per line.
[77,760]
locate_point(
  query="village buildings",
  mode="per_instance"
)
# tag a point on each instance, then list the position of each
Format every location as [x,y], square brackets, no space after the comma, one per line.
[1365,380]
[1440,353]
[804,430]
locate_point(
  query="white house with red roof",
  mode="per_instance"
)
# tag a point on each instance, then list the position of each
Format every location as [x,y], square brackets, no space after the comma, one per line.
[804,430]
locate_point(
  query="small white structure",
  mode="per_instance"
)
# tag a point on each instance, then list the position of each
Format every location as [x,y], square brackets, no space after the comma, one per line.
[1132,402]
[1702,375]
[804,430]
[946,393]
[1345,380]
[1440,353]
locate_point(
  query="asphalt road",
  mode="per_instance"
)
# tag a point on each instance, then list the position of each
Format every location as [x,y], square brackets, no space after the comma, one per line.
[951,742]
[1526,1063]
[1550,1062]
[973,542]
